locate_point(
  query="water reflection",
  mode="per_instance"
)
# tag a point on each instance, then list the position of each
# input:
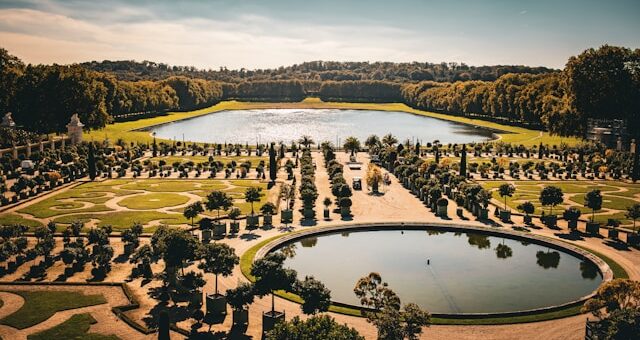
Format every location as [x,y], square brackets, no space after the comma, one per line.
[589,270]
[289,250]
[548,259]
[478,240]
[309,242]
[503,251]
[345,234]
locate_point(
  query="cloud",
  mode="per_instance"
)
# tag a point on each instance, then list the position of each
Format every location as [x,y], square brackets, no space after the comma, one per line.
[523,12]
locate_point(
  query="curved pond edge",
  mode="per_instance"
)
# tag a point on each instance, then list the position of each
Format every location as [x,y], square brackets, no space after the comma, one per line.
[539,314]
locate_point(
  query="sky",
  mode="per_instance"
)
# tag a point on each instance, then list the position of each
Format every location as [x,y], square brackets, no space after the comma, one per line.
[271,33]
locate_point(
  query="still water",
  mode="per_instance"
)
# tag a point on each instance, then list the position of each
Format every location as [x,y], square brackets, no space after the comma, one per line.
[467,272]
[267,125]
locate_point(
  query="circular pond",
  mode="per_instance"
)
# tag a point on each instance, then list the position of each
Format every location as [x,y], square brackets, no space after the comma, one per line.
[265,125]
[445,272]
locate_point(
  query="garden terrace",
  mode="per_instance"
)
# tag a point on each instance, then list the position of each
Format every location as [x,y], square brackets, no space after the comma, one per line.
[121,202]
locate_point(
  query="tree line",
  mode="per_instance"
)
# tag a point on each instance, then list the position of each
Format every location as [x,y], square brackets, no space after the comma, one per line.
[600,83]
[316,71]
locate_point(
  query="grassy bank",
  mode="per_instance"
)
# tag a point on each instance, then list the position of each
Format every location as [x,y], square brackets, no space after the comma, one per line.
[510,134]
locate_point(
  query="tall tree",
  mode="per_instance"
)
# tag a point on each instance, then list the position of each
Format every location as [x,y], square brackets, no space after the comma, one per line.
[91,162]
[219,259]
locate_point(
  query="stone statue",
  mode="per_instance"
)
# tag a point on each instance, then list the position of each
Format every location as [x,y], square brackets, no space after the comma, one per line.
[74,129]
[7,120]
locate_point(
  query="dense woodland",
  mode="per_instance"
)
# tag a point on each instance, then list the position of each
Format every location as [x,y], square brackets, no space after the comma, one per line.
[316,71]
[599,83]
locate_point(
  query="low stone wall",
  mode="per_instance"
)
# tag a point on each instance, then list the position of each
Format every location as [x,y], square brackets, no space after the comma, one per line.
[603,267]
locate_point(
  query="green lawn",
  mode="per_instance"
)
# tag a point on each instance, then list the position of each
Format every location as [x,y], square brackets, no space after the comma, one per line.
[87,201]
[41,305]
[574,192]
[76,327]
[255,160]
[512,134]
[15,219]
[153,201]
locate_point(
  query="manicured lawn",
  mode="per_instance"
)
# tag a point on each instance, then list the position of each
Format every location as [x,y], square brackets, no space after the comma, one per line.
[41,305]
[614,202]
[255,160]
[15,219]
[76,327]
[153,201]
[87,201]
[515,135]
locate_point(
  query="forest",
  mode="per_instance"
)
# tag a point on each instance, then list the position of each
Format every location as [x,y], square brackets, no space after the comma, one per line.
[598,83]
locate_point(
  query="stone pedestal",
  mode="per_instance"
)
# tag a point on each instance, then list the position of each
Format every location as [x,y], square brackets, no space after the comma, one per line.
[74,130]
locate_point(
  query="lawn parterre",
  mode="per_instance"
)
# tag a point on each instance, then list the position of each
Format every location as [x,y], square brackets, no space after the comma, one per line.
[76,327]
[616,196]
[41,305]
[121,202]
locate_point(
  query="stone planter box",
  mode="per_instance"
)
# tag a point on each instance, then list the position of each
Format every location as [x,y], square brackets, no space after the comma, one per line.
[196,298]
[442,211]
[483,213]
[219,229]
[633,239]
[253,221]
[551,221]
[505,215]
[593,228]
[345,211]
[241,317]
[234,227]
[216,304]
[459,212]
[527,219]
[613,234]
[286,216]
[129,248]
[326,214]
[267,219]
[270,319]
[308,213]
[206,235]
[572,224]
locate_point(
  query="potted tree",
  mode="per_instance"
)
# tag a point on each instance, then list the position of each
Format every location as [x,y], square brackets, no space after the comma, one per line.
[506,190]
[460,203]
[193,282]
[327,203]
[551,196]
[218,259]
[206,226]
[234,213]
[593,200]
[217,200]
[571,215]
[267,211]
[483,197]
[442,204]
[271,276]
[345,206]
[252,195]
[633,212]
[192,211]
[239,299]
[288,194]
[527,208]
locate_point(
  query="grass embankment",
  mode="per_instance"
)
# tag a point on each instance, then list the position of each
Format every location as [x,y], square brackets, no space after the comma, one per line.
[76,327]
[510,134]
[41,305]
[247,259]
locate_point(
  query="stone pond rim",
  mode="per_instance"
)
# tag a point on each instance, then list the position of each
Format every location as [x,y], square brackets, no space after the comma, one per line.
[603,267]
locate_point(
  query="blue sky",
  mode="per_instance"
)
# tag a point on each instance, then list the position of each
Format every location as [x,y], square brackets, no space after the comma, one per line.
[260,34]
